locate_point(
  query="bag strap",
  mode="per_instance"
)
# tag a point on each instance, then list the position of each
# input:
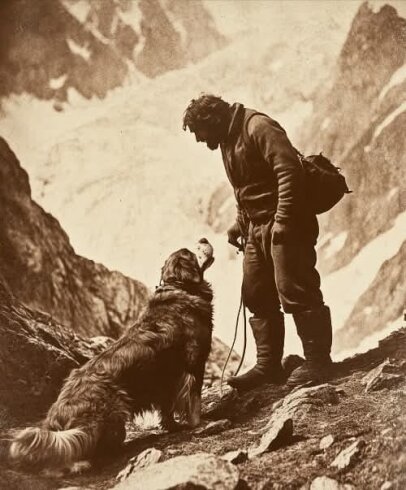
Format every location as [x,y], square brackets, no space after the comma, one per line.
[245,135]
[247,141]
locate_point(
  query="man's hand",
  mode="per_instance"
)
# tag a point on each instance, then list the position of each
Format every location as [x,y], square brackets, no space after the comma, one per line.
[281,232]
[234,234]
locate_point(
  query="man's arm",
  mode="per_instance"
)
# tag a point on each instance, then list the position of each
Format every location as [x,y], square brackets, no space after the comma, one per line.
[273,144]
[239,230]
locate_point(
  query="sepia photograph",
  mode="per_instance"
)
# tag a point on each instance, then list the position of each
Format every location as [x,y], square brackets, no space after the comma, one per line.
[202,244]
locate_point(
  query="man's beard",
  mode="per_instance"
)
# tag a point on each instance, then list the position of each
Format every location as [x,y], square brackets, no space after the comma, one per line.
[213,144]
[213,141]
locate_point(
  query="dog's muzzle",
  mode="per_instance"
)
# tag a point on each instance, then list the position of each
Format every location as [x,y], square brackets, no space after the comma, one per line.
[204,254]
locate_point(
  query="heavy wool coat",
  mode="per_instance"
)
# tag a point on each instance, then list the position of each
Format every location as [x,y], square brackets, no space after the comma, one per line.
[263,167]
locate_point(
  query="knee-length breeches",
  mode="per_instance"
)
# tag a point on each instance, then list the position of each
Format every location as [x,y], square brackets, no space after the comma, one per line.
[281,274]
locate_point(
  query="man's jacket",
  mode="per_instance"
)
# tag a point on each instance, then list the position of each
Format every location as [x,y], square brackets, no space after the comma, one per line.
[263,167]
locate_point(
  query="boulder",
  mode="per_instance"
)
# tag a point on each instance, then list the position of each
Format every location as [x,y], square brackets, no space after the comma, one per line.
[36,354]
[279,432]
[146,458]
[301,401]
[202,470]
[383,376]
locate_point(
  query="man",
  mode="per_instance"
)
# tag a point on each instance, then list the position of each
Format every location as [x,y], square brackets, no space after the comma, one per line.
[281,233]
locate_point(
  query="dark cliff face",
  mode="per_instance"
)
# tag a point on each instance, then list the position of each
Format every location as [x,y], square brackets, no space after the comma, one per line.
[360,122]
[42,270]
[50,46]
[374,49]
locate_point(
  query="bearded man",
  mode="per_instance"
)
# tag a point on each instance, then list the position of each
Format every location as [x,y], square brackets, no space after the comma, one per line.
[281,233]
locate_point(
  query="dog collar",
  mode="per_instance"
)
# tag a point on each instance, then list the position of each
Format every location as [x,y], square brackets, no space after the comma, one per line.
[194,291]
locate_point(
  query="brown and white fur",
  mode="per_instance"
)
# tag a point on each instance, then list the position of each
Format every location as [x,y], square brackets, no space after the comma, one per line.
[158,363]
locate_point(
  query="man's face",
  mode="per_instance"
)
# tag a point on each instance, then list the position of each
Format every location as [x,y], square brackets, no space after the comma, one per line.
[209,137]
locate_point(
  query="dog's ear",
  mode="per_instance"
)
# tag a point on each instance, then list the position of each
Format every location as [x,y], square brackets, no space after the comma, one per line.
[181,266]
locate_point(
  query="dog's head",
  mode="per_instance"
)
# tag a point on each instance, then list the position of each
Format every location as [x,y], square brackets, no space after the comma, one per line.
[185,267]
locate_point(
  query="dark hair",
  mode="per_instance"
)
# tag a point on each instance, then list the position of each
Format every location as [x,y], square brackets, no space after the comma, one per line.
[207,111]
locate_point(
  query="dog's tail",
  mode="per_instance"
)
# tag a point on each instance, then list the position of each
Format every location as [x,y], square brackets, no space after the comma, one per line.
[41,446]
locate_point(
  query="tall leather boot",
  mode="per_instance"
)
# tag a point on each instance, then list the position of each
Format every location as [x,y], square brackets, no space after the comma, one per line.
[315,331]
[269,335]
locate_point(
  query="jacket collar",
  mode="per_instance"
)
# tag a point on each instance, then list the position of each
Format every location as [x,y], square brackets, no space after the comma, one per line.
[237,117]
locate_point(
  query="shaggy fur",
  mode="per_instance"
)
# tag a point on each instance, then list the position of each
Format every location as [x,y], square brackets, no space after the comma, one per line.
[159,363]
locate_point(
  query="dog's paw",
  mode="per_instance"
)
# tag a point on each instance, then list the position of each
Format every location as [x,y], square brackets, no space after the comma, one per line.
[79,467]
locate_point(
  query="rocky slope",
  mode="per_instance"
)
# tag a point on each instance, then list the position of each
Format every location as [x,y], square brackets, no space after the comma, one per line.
[42,270]
[49,47]
[36,354]
[359,121]
[347,434]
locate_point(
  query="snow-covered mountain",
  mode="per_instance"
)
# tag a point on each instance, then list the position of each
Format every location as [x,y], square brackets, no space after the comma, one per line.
[129,186]
[360,122]
[52,46]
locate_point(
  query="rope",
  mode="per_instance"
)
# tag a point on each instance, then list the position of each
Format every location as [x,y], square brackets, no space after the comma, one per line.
[241,307]
[244,312]
[231,348]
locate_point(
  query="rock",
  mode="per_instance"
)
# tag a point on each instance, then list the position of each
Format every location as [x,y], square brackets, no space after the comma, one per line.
[387,485]
[214,367]
[384,381]
[236,457]
[213,428]
[326,483]
[296,404]
[220,403]
[146,458]
[302,400]
[36,354]
[326,442]
[279,432]
[373,373]
[348,456]
[383,376]
[201,470]
[42,270]
[291,362]
[100,342]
